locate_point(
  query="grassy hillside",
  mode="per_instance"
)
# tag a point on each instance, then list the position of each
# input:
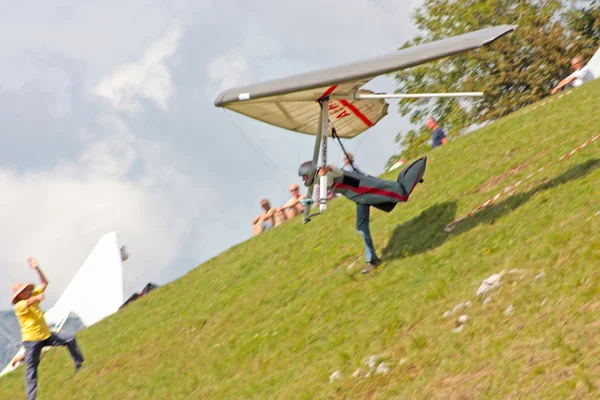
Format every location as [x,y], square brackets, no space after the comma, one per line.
[276,316]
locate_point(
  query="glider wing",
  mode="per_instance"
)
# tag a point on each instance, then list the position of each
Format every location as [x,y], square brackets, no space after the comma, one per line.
[293,102]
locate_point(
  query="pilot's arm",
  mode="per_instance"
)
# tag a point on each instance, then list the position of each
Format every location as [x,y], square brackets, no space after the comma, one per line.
[332,172]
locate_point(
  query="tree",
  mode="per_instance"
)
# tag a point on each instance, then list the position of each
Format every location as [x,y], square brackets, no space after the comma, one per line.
[584,19]
[512,72]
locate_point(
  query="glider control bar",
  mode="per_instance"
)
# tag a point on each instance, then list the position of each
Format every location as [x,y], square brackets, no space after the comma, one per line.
[322,131]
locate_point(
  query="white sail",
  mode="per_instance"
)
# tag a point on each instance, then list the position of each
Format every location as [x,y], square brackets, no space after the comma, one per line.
[102,271]
[594,64]
[293,102]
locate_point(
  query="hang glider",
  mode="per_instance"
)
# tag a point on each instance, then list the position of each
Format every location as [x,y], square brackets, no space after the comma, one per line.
[309,103]
[102,269]
[292,102]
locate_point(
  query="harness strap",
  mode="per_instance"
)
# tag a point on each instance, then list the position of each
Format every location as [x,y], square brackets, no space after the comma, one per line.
[336,136]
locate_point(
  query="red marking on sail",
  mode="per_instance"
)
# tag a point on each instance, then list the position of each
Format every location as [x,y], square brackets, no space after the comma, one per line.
[356,112]
[328,92]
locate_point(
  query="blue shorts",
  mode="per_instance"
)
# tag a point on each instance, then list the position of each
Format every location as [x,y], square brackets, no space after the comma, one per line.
[267,225]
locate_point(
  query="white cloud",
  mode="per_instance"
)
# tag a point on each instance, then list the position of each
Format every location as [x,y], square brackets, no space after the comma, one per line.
[57,82]
[98,35]
[228,70]
[148,78]
[58,215]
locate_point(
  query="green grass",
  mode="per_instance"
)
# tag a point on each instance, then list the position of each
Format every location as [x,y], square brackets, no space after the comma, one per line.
[275,316]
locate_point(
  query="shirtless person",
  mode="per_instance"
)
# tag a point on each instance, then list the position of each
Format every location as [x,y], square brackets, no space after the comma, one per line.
[269,218]
[293,207]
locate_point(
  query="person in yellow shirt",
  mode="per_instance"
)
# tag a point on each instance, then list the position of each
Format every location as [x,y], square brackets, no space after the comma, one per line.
[35,333]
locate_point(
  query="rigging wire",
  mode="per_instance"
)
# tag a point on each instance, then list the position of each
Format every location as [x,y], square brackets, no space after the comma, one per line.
[343,152]
[245,131]
[298,149]
[336,136]
[359,142]
[267,152]
[250,140]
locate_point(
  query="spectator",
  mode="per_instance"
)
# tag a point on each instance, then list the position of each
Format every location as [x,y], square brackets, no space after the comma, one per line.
[269,218]
[35,333]
[581,75]
[398,164]
[438,137]
[124,254]
[293,207]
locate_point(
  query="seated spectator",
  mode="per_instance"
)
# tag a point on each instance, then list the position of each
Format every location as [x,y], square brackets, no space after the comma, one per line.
[269,218]
[581,75]
[293,207]
[438,137]
[279,217]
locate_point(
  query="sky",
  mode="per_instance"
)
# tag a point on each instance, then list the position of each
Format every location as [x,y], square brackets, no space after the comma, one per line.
[108,123]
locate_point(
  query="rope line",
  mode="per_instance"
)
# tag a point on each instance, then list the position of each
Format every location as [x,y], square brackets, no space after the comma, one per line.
[451,226]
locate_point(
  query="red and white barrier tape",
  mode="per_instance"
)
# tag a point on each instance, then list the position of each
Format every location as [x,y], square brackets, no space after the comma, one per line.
[547,101]
[450,227]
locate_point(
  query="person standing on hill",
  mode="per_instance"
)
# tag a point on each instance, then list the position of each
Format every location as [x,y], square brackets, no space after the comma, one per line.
[438,137]
[35,333]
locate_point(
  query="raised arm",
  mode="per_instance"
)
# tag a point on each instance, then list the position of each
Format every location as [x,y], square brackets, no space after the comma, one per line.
[33,264]
[291,203]
[337,172]
[563,83]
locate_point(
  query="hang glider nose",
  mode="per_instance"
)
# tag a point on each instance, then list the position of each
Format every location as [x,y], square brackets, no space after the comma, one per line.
[292,102]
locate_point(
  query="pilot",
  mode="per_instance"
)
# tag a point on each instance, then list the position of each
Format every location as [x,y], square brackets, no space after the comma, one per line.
[367,191]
